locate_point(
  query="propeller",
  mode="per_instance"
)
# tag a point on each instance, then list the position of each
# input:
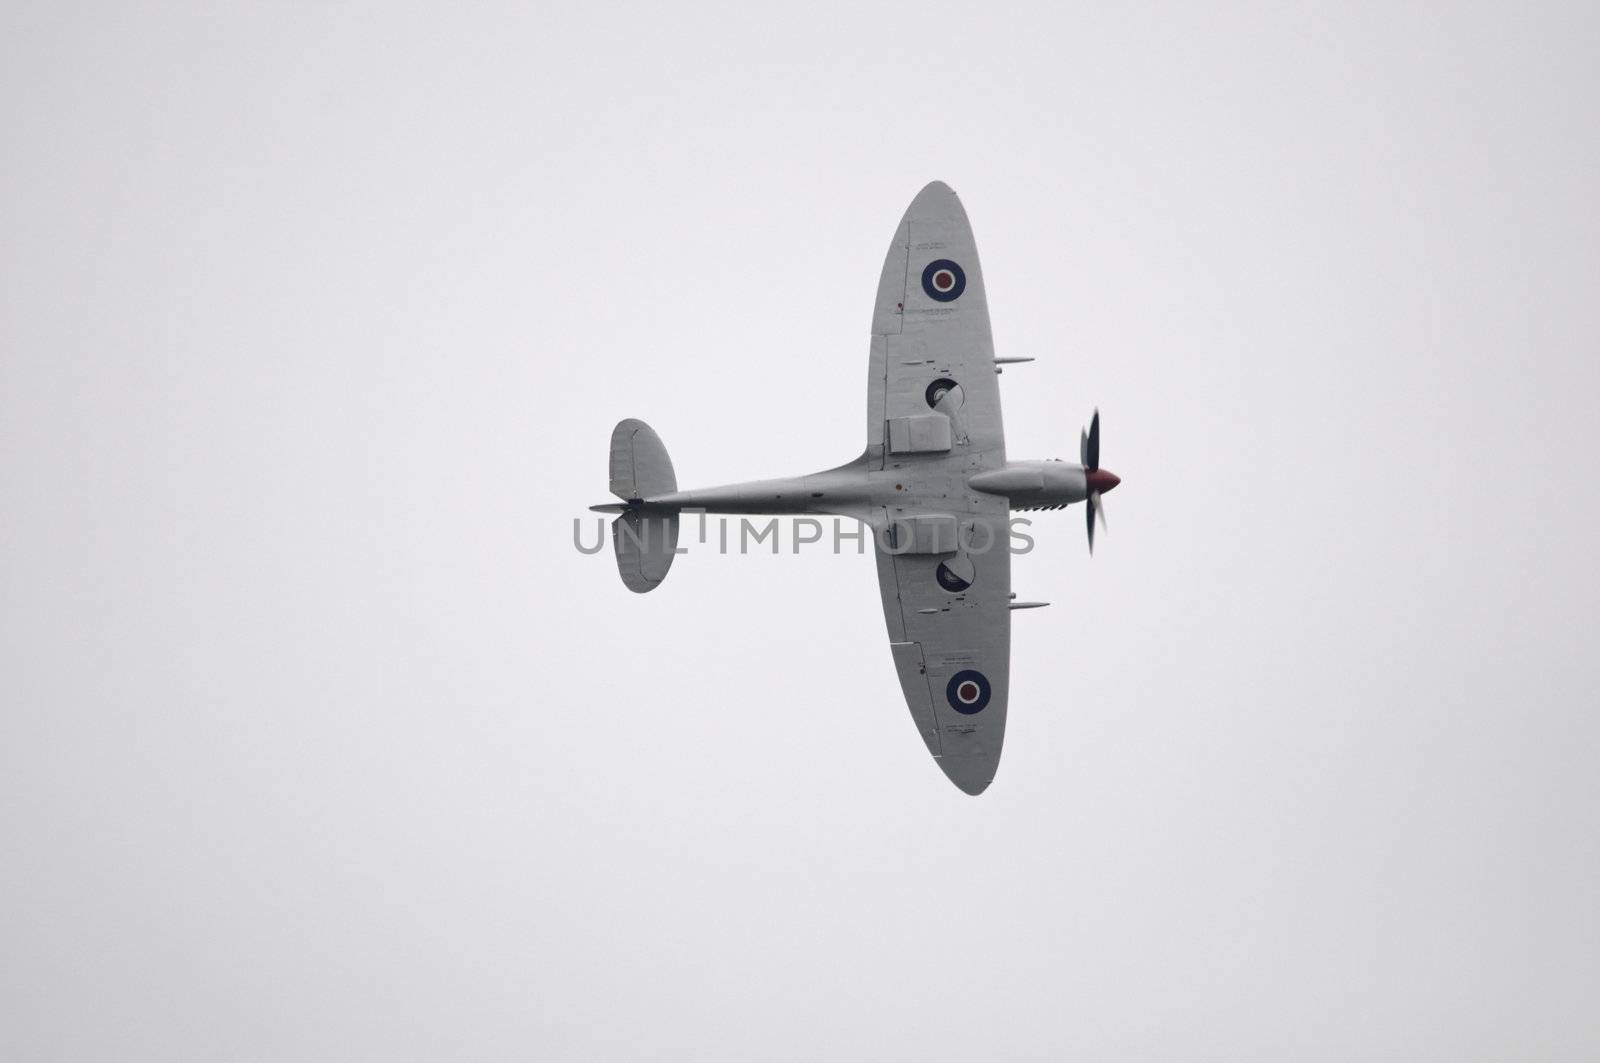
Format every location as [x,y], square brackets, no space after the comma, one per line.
[1099,480]
[1095,511]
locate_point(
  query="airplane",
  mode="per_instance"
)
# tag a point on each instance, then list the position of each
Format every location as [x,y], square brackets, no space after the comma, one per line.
[933,484]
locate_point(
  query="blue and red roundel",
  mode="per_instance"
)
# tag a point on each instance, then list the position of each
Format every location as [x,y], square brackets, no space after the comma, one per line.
[968,692]
[949,580]
[943,280]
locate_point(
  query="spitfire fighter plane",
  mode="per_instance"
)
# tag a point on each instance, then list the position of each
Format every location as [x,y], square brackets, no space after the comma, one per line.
[934,484]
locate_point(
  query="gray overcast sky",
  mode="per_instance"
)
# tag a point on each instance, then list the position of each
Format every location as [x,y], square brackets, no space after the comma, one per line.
[320,741]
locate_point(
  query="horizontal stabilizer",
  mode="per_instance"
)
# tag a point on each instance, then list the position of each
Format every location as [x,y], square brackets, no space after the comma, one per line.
[645,543]
[645,539]
[639,463]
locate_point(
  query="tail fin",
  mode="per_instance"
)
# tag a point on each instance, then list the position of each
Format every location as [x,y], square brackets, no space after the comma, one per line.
[644,540]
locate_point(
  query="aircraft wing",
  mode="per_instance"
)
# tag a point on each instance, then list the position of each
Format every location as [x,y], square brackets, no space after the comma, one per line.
[930,330]
[933,418]
[949,620]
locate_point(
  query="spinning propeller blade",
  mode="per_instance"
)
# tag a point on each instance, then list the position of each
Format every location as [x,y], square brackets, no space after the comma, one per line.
[1099,480]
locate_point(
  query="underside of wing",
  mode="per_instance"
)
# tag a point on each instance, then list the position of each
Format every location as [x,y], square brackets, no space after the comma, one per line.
[933,419]
[949,619]
[931,347]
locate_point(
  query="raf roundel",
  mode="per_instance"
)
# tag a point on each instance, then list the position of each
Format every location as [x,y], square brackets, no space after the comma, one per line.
[968,692]
[949,580]
[943,280]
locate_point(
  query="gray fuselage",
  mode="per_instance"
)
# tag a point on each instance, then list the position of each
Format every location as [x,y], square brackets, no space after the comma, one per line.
[855,490]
